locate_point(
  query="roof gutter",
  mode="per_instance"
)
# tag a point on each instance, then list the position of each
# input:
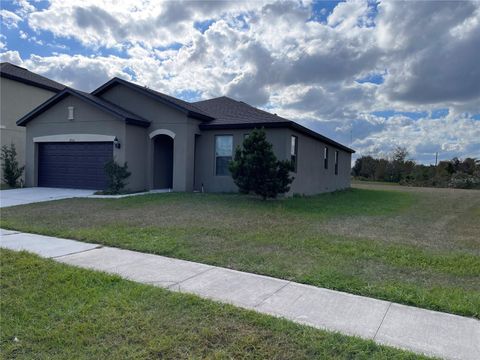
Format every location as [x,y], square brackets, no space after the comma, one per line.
[198,116]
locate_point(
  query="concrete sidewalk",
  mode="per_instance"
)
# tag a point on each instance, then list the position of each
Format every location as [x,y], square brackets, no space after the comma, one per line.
[419,330]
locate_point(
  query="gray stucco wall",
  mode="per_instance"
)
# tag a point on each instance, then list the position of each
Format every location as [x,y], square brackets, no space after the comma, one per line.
[205,157]
[88,120]
[135,150]
[310,178]
[16,100]
[162,117]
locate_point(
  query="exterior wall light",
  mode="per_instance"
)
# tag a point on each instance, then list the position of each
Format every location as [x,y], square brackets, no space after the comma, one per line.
[116,143]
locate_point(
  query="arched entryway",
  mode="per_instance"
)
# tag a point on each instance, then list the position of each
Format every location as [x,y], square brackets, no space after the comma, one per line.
[162,162]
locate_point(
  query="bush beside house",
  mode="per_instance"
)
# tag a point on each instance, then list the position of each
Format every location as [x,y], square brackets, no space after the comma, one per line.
[11,171]
[117,176]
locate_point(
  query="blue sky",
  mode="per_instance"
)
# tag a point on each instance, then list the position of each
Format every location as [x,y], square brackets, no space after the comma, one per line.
[372,75]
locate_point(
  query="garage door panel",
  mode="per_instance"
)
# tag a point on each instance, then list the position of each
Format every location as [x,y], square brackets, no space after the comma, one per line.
[74,165]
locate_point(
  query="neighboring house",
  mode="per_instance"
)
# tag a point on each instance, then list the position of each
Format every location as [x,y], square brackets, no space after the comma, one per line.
[21,91]
[167,142]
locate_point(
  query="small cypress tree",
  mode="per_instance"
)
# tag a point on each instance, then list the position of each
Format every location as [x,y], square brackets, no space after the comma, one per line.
[11,170]
[255,167]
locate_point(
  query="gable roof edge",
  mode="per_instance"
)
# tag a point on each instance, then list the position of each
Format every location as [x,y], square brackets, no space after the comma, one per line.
[29,82]
[68,91]
[146,92]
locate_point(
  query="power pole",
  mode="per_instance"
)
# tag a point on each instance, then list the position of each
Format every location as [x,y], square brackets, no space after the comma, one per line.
[436,158]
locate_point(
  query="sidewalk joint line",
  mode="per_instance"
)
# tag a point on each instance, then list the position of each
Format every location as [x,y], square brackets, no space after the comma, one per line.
[76,252]
[269,296]
[128,263]
[153,282]
[381,322]
[191,277]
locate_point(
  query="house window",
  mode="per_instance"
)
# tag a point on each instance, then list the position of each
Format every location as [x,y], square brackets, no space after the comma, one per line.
[336,162]
[223,154]
[294,152]
[325,157]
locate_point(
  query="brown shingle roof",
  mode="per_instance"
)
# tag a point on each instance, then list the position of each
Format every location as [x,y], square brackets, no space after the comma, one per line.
[229,111]
[14,72]
[223,112]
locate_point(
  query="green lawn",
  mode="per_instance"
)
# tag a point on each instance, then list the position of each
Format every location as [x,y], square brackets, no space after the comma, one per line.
[372,182]
[414,246]
[55,311]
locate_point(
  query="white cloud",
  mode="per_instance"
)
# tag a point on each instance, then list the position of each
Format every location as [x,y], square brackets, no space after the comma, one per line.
[450,136]
[434,61]
[98,23]
[271,54]
[24,7]
[10,19]
[349,15]
[3,44]
[11,56]
[78,71]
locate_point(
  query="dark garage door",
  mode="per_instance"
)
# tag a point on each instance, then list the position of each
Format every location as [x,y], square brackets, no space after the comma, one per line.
[76,165]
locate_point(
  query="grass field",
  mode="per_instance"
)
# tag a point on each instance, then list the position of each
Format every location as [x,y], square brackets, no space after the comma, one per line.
[59,312]
[409,245]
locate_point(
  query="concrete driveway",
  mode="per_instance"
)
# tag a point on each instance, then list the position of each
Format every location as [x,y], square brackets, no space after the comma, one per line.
[37,194]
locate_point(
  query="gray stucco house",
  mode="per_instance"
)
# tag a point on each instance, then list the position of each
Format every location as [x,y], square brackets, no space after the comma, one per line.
[21,91]
[167,142]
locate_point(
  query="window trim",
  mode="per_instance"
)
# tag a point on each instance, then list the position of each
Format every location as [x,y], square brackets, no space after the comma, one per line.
[336,161]
[325,157]
[295,163]
[215,154]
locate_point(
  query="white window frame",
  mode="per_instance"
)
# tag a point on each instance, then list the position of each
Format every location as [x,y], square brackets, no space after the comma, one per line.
[336,161]
[217,156]
[325,157]
[294,152]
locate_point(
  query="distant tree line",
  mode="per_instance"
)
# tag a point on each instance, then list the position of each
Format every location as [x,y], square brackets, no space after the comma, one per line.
[397,168]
